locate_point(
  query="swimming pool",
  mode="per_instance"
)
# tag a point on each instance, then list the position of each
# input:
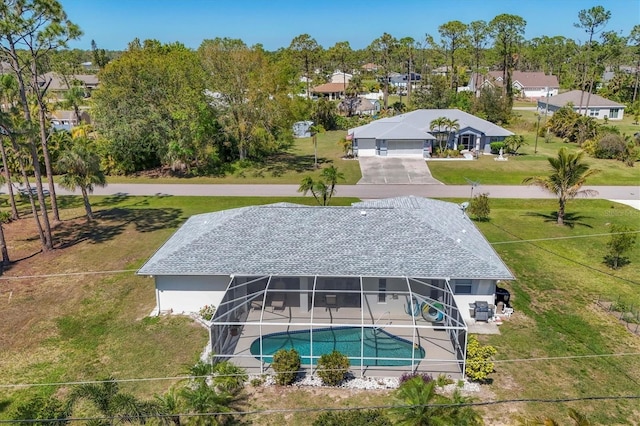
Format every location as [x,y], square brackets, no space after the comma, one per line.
[377,345]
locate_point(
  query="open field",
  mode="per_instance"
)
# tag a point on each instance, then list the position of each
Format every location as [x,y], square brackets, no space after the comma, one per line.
[85,327]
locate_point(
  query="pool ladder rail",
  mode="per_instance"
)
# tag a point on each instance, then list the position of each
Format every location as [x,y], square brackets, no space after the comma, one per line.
[378,327]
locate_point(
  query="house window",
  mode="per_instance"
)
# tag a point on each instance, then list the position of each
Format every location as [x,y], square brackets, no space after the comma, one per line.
[382,290]
[613,112]
[594,112]
[462,287]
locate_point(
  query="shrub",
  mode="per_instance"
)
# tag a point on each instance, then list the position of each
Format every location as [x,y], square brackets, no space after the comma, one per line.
[207,312]
[375,417]
[286,363]
[443,380]
[479,364]
[495,147]
[228,377]
[610,146]
[332,368]
[479,207]
[408,376]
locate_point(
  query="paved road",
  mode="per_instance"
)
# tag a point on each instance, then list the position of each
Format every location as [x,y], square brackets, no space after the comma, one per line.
[359,191]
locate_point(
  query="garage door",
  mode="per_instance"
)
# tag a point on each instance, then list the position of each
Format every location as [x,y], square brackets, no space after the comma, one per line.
[404,148]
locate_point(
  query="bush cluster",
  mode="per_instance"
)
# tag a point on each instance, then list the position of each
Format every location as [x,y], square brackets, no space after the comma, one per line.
[286,363]
[207,312]
[332,368]
[479,207]
[495,147]
[479,364]
[408,376]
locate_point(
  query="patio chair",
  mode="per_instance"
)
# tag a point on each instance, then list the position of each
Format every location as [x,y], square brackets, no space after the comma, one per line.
[507,312]
[277,301]
[331,301]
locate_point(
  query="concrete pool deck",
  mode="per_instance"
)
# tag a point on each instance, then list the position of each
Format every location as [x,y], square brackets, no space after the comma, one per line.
[440,356]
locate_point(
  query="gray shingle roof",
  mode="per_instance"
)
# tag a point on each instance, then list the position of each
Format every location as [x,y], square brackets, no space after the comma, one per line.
[415,123]
[406,236]
[573,96]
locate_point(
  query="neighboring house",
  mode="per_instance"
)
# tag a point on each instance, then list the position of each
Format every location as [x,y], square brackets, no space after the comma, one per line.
[404,270]
[302,129]
[340,77]
[401,80]
[66,120]
[599,107]
[330,90]
[359,106]
[529,85]
[57,86]
[370,67]
[410,135]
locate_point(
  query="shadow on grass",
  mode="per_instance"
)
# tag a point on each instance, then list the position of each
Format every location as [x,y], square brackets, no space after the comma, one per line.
[112,200]
[110,223]
[570,219]
[279,164]
[4,404]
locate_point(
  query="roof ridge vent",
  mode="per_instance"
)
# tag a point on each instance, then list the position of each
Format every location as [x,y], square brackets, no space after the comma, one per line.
[363,212]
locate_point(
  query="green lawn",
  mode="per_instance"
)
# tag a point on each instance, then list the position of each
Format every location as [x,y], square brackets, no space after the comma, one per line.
[290,167]
[530,163]
[557,283]
[87,327]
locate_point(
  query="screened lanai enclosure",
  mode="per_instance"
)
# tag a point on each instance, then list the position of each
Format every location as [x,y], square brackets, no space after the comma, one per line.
[385,326]
[381,281]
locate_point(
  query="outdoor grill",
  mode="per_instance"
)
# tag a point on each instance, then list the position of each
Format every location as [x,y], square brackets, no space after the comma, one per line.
[482,311]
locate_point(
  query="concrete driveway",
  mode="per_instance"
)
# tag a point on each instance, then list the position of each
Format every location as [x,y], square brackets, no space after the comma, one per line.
[395,170]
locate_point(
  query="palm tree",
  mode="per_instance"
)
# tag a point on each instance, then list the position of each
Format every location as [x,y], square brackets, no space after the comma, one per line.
[331,176]
[439,123]
[324,188]
[413,399]
[82,167]
[114,405]
[201,398]
[451,125]
[568,176]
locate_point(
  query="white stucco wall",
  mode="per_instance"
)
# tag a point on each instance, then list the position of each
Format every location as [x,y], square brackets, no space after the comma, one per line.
[184,294]
[481,290]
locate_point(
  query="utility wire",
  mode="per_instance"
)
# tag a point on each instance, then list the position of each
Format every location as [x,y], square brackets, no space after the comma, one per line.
[120,271]
[215,375]
[341,409]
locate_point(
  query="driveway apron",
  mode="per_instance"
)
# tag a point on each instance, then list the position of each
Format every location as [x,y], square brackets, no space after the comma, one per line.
[395,170]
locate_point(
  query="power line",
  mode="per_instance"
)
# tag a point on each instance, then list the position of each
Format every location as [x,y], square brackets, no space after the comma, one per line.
[565,257]
[66,274]
[343,409]
[120,271]
[564,238]
[215,375]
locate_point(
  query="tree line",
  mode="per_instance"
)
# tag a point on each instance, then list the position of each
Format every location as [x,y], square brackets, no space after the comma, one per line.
[204,111]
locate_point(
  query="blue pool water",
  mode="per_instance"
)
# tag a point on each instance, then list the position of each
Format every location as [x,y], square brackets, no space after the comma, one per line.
[346,340]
